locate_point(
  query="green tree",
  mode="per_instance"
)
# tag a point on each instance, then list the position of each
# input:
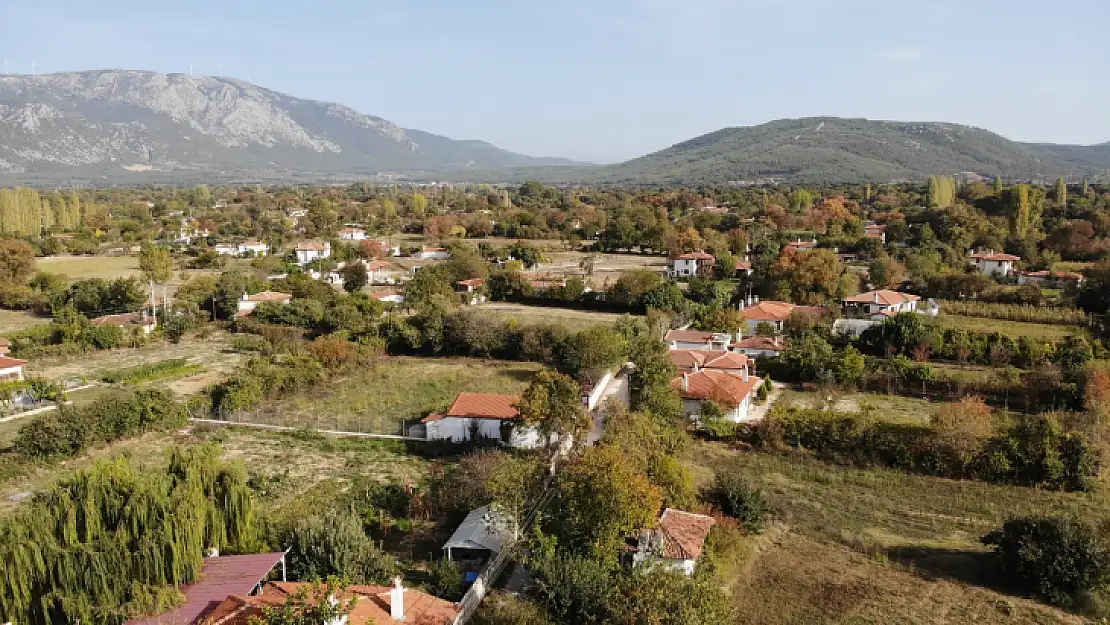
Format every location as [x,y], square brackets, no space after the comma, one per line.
[552,403]
[885,272]
[1060,193]
[663,597]
[355,277]
[155,262]
[334,544]
[319,603]
[1019,210]
[998,186]
[593,351]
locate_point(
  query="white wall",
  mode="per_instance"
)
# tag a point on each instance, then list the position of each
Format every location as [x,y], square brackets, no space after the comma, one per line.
[457,429]
[16,371]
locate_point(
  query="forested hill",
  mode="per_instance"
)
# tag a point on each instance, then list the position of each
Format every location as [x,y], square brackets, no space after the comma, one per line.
[853,150]
[831,150]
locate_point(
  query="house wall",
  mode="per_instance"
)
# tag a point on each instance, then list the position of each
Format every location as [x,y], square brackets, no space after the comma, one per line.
[687,345]
[457,429]
[686,567]
[682,267]
[754,323]
[11,373]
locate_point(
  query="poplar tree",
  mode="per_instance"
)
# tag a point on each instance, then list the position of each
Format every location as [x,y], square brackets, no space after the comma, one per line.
[1019,209]
[1061,192]
[998,185]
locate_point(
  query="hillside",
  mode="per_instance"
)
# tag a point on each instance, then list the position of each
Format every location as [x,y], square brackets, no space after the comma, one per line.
[832,149]
[124,125]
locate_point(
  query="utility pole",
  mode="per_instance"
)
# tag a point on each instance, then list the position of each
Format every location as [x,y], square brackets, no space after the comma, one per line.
[153,303]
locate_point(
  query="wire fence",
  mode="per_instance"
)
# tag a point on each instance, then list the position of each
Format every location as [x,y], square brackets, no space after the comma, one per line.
[349,423]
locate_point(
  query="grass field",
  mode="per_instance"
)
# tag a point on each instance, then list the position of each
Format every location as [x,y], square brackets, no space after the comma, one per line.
[397,391]
[213,352]
[16,320]
[892,407]
[571,318]
[81,267]
[1014,329]
[877,546]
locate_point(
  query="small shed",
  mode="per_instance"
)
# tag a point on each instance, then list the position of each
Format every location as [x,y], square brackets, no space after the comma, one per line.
[483,533]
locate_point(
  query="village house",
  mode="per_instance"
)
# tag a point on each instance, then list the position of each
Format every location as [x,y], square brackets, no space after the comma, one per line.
[434,253]
[1050,279]
[352,234]
[296,213]
[696,339]
[744,267]
[882,303]
[994,264]
[226,249]
[253,248]
[675,543]
[875,231]
[473,290]
[734,393]
[250,302]
[11,369]
[692,264]
[480,415]
[370,605]
[391,296]
[694,360]
[758,347]
[5,347]
[801,246]
[127,321]
[308,251]
[770,312]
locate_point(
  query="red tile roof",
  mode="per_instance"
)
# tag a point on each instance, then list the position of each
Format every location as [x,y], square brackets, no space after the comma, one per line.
[385,294]
[996,256]
[743,265]
[683,533]
[769,311]
[708,359]
[689,336]
[725,388]
[885,297]
[484,405]
[473,282]
[8,363]
[269,296]
[696,256]
[759,342]
[312,246]
[220,577]
[372,605]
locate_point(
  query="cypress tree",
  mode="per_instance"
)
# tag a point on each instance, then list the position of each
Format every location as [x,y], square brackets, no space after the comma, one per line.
[998,185]
[1086,188]
[1061,192]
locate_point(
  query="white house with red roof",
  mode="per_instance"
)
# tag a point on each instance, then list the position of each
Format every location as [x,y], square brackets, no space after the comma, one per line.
[994,264]
[249,302]
[11,369]
[696,339]
[481,415]
[434,253]
[692,264]
[675,543]
[253,248]
[882,303]
[758,346]
[352,234]
[801,246]
[127,321]
[694,360]
[308,251]
[734,393]
[773,313]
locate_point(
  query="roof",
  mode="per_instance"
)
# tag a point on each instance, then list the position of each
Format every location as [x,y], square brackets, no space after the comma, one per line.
[696,256]
[252,244]
[874,234]
[484,528]
[708,359]
[743,265]
[480,406]
[683,533]
[996,256]
[385,294]
[5,343]
[372,605]
[313,246]
[473,282]
[884,296]
[801,244]
[8,363]
[269,296]
[220,577]
[875,227]
[1060,275]
[123,319]
[769,310]
[759,342]
[726,388]
[351,230]
[691,336]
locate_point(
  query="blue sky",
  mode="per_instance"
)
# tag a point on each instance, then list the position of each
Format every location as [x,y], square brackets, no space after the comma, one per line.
[606,80]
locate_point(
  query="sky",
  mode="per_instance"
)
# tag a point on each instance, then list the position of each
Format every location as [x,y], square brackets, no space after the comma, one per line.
[608,80]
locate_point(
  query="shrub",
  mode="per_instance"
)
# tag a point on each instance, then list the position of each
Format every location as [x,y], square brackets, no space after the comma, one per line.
[741,501]
[446,580]
[334,544]
[1051,558]
[161,370]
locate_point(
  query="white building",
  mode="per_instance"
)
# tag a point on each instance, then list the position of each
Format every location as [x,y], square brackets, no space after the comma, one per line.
[692,264]
[11,369]
[226,249]
[249,302]
[695,339]
[882,303]
[308,251]
[675,543]
[254,248]
[390,297]
[758,347]
[479,415]
[434,253]
[352,234]
[994,264]
[734,393]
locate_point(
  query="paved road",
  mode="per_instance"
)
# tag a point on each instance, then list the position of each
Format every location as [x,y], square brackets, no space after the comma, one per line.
[618,388]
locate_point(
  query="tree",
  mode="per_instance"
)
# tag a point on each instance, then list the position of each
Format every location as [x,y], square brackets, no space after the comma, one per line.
[1052,558]
[155,262]
[998,185]
[355,277]
[334,544]
[886,273]
[963,427]
[741,501]
[1060,192]
[593,351]
[552,403]
[663,597]
[600,499]
[631,287]
[319,603]
[1019,209]
[17,261]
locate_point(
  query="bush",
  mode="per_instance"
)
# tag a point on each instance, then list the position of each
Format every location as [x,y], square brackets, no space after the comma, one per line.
[334,544]
[741,501]
[446,580]
[161,370]
[1051,558]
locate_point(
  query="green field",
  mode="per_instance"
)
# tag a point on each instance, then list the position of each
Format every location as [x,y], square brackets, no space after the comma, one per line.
[16,320]
[397,391]
[530,315]
[1014,329]
[81,267]
[877,546]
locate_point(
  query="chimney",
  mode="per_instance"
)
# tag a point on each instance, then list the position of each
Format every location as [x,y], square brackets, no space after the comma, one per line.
[741,306]
[244,296]
[685,383]
[876,297]
[397,600]
[745,375]
[739,334]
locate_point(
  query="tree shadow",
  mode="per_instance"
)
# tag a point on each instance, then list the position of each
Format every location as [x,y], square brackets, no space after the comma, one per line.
[977,568]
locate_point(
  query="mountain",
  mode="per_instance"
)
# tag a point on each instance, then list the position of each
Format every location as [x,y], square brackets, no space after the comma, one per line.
[137,125]
[830,149]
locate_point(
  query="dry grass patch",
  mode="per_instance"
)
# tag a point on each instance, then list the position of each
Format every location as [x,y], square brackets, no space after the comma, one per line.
[889,407]
[530,315]
[16,320]
[1013,329]
[81,267]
